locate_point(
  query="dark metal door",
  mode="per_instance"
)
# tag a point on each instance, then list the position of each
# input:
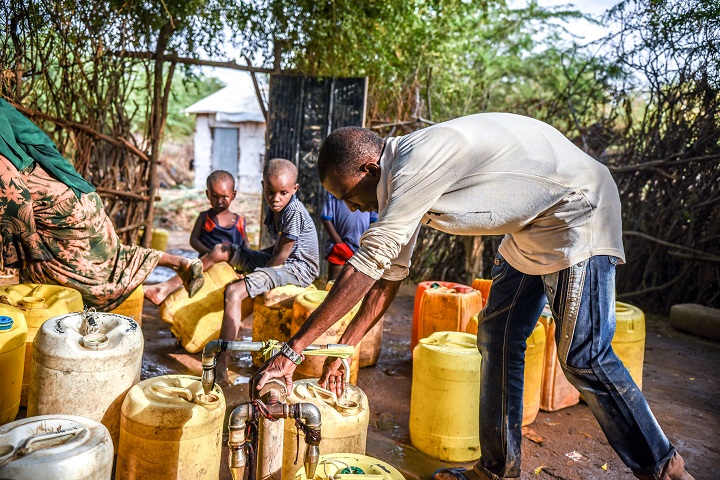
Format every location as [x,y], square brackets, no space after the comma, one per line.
[225,150]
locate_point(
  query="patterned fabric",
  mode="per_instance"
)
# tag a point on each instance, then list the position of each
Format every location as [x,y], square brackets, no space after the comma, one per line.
[43,220]
[295,223]
[213,234]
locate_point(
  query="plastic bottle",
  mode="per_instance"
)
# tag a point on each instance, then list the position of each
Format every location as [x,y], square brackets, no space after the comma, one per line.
[13,333]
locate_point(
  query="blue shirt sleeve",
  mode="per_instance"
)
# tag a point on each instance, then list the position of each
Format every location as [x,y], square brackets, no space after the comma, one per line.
[328,211]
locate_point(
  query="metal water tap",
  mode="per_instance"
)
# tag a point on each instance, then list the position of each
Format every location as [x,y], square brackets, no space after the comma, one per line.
[272,396]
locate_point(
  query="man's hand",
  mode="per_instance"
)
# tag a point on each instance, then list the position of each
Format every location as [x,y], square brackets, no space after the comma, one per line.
[333,376]
[278,366]
[36,271]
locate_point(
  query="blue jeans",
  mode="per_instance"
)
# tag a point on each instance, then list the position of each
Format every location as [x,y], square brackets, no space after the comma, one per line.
[582,298]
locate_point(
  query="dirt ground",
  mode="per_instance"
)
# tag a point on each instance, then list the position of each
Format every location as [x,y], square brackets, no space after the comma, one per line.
[681,384]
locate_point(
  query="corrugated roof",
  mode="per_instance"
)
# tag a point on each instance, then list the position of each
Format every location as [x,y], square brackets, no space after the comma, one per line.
[231,102]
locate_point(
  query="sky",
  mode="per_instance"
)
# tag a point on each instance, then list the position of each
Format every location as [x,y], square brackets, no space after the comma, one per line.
[585,30]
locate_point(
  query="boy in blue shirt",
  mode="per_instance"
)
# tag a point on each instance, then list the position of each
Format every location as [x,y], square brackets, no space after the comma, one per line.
[292,259]
[344,228]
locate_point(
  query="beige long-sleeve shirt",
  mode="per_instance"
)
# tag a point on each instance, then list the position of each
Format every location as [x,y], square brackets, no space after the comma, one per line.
[491,174]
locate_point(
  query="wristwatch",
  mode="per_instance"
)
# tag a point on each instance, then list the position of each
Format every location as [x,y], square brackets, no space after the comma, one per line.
[294,357]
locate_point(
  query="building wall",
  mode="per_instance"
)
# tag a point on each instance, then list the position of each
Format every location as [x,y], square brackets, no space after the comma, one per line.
[202,159]
[251,151]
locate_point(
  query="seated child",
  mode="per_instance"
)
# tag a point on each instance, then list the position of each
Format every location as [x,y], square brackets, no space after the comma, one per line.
[344,228]
[292,259]
[219,224]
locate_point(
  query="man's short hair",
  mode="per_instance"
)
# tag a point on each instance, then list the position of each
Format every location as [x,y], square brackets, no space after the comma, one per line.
[346,149]
[279,166]
[219,176]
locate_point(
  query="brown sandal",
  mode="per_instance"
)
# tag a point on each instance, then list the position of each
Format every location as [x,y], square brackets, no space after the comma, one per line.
[193,279]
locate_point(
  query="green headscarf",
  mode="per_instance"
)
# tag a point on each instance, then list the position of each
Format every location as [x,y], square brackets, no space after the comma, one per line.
[23,143]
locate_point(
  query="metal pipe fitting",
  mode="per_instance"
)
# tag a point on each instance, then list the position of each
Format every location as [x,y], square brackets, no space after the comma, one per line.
[236,440]
[310,415]
[213,349]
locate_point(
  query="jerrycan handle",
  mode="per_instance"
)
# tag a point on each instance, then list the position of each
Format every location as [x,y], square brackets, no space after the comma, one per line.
[168,391]
[435,341]
[325,395]
[33,443]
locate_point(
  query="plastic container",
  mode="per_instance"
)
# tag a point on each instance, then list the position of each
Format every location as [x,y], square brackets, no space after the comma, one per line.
[629,340]
[61,447]
[304,305]
[336,466]
[422,286]
[445,397]
[447,310]
[556,391]
[75,373]
[39,302]
[482,285]
[272,315]
[170,430]
[534,366]
[371,343]
[344,423]
[196,321]
[13,333]
[159,239]
[132,306]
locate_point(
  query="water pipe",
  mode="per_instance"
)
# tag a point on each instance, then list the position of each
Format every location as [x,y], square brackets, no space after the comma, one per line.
[274,394]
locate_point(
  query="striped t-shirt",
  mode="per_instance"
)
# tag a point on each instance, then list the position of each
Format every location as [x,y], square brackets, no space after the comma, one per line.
[296,224]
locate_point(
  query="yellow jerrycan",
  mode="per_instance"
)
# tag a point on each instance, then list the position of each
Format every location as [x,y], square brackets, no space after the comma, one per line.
[170,429]
[13,333]
[534,366]
[55,447]
[132,306]
[447,309]
[196,321]
[446,367]
[344,422]
[83,364]
[346,466]
[534,369]
[272,315]
[304,305]
[38,302]
[159,239]
[371,343]
[629,340]
[556,391]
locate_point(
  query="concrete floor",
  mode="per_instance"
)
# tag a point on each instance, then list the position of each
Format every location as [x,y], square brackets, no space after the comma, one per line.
[680,382]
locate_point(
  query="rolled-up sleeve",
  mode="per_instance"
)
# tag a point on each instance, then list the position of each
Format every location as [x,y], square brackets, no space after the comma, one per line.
[416,181]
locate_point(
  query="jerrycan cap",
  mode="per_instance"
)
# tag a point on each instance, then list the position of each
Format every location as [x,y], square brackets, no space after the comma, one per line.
[95,341]
[6,323]
[32,302]
[463,289]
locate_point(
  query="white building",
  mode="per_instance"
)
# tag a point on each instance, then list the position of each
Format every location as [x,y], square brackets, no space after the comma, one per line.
[229,135]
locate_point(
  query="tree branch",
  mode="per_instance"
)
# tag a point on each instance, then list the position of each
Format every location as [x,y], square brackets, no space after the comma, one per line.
[194,61]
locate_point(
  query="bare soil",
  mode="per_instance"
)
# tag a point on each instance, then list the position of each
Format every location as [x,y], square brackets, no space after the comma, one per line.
[681,384]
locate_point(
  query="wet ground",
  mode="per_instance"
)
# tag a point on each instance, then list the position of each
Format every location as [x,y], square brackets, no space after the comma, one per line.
[681,382]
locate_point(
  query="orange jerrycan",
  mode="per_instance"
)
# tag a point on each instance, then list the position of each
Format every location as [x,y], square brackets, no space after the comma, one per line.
[556,391]
[38,303]
[446,367]
[447,310]
[483,286]
[304,305]
[196,321]
[272,316]
[422,286]
[13,333]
